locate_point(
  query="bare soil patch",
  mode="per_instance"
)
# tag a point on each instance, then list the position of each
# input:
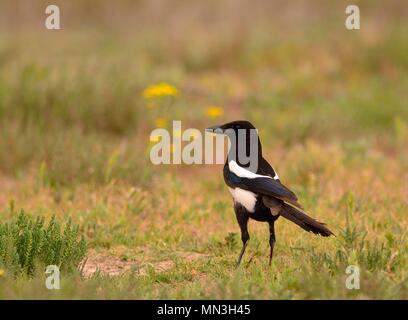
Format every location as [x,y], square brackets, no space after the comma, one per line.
[112,265]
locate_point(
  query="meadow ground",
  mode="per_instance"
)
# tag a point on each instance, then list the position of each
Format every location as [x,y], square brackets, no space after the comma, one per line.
[331,108]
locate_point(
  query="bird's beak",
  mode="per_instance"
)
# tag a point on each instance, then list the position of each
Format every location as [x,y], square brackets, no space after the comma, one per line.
[215,129]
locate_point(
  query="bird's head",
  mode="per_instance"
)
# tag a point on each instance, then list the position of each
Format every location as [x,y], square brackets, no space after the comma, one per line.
[245,147]
[231,127]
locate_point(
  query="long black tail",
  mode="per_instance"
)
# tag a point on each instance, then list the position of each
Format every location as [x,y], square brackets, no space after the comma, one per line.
[305,222]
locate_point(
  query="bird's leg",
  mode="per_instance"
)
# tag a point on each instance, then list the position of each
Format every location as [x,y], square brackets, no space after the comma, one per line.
[241,254]
[242,219]
[272,239]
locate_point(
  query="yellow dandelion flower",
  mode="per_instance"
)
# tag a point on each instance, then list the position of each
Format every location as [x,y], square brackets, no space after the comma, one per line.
[161,122]
[2,272]
[160,90]
[214,111]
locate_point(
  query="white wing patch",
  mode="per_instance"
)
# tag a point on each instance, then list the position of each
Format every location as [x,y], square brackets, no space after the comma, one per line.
[244,197]
[244,173]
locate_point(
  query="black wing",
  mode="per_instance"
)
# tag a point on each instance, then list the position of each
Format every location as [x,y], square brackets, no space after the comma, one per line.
[271,187]
[264,186]
[264,168]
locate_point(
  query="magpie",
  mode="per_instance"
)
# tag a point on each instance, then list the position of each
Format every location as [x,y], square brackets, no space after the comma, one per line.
[257,191]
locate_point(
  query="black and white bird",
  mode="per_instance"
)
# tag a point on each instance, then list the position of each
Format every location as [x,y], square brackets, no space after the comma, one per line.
[259,194]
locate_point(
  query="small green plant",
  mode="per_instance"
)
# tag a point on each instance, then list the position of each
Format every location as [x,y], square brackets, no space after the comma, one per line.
[231,241]
[27,244]
[353,247]
[351,235]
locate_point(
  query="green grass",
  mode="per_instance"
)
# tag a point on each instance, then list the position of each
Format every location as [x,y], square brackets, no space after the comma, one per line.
[27,245]
[330,105]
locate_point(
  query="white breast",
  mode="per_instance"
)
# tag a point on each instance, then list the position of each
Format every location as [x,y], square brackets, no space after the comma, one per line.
[244,197]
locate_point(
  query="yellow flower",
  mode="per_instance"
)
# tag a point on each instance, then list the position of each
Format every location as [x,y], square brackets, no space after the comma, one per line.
[160,90]
[2,272]
[161,122]
[214,111]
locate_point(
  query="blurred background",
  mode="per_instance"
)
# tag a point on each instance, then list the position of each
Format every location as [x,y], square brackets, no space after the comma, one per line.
[77,106]
[69,97]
